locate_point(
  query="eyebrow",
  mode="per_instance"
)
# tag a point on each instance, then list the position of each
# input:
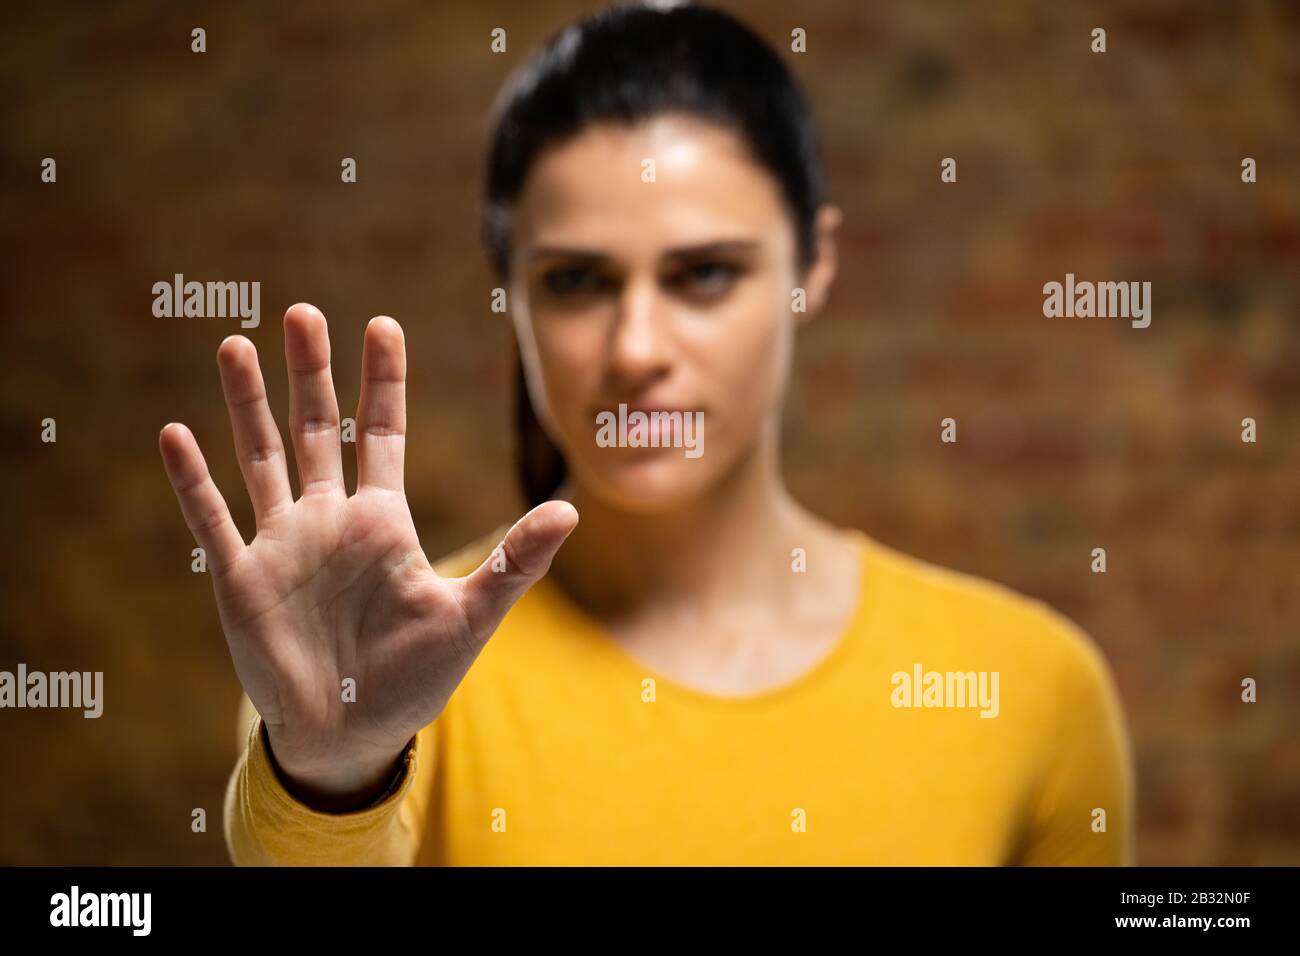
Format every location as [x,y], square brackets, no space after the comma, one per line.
[681,252]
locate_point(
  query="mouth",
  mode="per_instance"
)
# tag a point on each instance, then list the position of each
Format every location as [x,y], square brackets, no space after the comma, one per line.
[648,425]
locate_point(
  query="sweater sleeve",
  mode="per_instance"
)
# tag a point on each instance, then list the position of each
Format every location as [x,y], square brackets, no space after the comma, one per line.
[1089,770]
[267,826]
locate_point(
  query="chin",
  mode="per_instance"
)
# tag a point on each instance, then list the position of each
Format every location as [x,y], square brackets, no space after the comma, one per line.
[659,482]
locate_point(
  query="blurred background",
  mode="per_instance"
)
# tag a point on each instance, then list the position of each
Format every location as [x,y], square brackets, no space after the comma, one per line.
[1073,433]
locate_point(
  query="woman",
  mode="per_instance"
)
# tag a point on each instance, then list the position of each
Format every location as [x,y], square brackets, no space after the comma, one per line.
[709,674]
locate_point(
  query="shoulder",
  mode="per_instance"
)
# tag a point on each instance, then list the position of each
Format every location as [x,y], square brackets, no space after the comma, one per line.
[1056,694]
[954,611]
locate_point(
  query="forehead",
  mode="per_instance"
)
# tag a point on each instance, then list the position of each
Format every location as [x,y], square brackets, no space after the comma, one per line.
[591,189]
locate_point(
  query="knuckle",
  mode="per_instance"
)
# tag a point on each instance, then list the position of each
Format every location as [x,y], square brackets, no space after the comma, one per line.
[208,520]
[511,551]
[273,510]
[318,425]
[261,453]
[383,431]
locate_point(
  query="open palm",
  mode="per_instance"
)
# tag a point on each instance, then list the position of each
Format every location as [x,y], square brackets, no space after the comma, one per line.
[343,636]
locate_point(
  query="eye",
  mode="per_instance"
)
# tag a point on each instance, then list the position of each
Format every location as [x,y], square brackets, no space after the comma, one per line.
[571,280]
[706,278]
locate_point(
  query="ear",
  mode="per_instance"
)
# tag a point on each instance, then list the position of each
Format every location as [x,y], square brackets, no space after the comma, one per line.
[821,271]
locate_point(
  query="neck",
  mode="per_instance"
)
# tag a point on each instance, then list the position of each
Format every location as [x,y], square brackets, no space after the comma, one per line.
[734,543]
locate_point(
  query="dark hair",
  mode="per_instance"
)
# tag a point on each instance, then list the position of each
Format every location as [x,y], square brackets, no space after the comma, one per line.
[625,64]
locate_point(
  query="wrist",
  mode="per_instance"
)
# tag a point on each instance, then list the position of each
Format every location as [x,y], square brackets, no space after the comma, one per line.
[347,789]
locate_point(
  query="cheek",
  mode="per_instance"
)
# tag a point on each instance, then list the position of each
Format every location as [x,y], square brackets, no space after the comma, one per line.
[747,357]
[547,362]
[569,361]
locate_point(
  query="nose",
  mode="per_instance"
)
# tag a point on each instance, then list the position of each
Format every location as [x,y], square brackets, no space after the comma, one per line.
[640,341]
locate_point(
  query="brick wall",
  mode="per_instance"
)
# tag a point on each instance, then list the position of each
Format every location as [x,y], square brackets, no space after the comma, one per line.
[1073,433]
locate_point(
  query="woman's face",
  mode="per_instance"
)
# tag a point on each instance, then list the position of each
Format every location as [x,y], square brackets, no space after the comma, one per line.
[652,266]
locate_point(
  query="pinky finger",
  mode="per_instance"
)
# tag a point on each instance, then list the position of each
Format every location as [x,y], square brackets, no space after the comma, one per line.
[205,511]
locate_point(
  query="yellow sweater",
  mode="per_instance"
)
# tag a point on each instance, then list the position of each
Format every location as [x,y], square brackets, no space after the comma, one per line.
[559,749]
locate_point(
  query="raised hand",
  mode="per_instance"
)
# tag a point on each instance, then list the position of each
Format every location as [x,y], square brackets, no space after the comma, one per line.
[336,586]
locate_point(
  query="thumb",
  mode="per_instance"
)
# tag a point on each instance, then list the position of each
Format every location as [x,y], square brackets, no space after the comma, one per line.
[515,565]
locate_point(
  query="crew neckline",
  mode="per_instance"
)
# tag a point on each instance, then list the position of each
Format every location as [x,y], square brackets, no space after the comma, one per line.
[811,677]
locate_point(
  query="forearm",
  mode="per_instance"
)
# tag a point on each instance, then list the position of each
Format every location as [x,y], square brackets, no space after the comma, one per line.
[267,825]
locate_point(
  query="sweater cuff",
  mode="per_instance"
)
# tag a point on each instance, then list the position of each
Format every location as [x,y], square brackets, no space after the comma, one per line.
[266,788]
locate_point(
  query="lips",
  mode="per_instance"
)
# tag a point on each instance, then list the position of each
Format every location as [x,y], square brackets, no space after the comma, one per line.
[649,425]
[647,410]
[650,410]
